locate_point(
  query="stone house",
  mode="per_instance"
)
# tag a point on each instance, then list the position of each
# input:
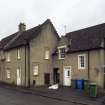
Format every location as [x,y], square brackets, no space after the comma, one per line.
[38,56]
[81,55]
[26,56]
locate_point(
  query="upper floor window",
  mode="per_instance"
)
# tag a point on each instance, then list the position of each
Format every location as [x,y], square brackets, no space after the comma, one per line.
[8,57]
[47,54]
[18,53]
[62,51]
[81,61]
[35,70]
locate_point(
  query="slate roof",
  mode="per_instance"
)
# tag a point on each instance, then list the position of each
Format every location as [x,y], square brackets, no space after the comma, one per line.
[21,39]
[4,41]
[86,39]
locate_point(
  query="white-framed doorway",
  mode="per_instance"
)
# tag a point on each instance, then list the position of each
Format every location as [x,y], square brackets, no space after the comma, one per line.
[18,76]
[67,76]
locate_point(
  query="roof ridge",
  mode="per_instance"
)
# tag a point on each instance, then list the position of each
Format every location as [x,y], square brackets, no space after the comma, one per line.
[86,28]
[21,37]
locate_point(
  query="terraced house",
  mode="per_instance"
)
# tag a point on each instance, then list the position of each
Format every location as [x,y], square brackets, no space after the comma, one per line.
[81,55]
[26,55]
[38,56]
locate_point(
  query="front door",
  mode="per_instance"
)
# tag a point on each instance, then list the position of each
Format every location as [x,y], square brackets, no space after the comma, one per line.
[47,78]
[67,76]
[56,75]
[18,77]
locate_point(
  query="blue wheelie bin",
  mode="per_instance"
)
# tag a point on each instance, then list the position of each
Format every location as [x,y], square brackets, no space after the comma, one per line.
[80,84]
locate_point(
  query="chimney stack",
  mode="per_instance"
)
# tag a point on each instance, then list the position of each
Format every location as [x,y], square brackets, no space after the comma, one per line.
[22,27]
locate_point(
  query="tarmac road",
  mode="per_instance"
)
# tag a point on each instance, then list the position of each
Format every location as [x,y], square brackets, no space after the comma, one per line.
[11,97]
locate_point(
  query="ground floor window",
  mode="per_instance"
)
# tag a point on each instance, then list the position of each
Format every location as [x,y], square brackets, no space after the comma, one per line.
[35,70]
[8,74]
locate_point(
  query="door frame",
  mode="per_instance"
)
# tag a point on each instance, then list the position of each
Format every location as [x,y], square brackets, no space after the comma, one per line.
[64,74]
[19,76]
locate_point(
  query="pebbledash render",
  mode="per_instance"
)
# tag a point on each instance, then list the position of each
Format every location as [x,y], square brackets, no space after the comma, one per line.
[39,56]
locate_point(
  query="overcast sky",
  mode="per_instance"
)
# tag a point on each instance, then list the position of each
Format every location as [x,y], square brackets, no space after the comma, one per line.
[75,14]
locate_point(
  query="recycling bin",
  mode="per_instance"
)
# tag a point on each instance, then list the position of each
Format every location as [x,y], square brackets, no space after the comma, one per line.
[86,85]
[73,84]
[93,90]
[80,84]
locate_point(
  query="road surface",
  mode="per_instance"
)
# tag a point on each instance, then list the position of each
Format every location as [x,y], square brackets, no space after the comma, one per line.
[13,97]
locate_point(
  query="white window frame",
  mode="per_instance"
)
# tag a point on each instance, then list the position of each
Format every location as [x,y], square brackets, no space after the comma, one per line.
[35,70]
[18,53]
[79,61]
[59,51]
[47,54]
[8,74]
[8,57]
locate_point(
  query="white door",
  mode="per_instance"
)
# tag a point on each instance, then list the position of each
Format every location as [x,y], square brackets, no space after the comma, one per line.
[18,77]
[67,76]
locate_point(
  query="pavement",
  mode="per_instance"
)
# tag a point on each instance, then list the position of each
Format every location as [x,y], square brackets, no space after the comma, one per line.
[63,95]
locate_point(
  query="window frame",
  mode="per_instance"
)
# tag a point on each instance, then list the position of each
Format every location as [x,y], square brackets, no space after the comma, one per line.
[59,52]
[8,57]
[34,71]
[18,53]
[47,54]
[79,61]
[8,73]
[20,72]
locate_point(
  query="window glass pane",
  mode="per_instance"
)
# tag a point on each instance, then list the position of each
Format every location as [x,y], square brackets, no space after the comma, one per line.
[18,53]
[47,54]
[81,61]
[68,73]
[8,73]
[35,70]
[8,57]
[62,52]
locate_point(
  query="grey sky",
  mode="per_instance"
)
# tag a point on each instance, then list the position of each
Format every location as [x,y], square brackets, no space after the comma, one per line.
[75,14]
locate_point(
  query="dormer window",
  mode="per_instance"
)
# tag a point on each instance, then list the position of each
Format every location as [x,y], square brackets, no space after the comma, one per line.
[62,51]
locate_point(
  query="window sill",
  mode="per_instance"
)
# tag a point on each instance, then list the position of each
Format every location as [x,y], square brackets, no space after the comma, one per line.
[46,59]
[61,58]
[81,68]
[35,75]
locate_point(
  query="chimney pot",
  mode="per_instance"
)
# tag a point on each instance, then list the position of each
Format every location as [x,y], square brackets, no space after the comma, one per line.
[22,27]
